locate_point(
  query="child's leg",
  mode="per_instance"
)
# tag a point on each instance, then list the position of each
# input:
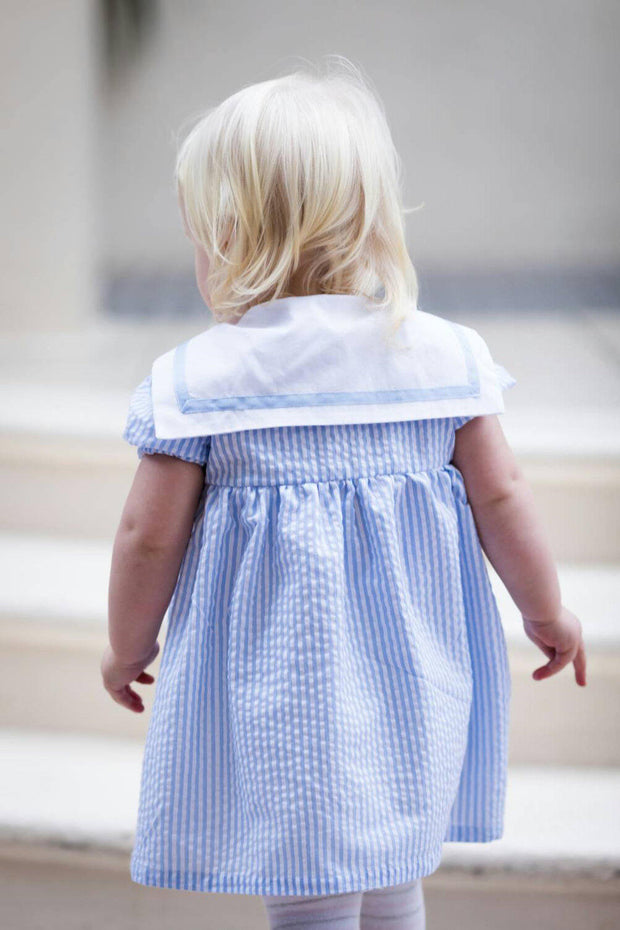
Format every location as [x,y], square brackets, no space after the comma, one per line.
[397,907]
[318,912]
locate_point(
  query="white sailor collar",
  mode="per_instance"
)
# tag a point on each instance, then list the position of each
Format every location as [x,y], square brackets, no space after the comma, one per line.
[322,359]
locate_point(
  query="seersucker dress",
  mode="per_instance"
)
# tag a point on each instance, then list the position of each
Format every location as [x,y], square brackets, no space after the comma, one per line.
[333,697]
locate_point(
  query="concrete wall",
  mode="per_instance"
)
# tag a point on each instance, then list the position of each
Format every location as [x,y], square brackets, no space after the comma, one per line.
[505,114]
[50,219]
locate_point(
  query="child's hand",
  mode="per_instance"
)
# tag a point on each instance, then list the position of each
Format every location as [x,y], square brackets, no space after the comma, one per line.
[562,641]
[116,678]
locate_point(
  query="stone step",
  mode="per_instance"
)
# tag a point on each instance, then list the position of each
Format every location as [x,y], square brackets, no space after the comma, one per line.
[65,469]
[67,821]
[555,720]
[53,616]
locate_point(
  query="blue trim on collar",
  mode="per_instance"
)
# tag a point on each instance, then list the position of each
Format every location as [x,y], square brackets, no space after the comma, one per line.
[189,404]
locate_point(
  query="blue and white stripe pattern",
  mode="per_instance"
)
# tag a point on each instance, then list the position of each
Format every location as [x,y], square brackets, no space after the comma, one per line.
[140,430]
[333,697]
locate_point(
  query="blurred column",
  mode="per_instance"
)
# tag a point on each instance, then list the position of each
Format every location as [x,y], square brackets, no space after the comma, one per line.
[48,68]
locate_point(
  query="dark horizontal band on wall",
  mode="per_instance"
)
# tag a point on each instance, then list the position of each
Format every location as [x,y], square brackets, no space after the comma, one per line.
[157,294]
[520,289]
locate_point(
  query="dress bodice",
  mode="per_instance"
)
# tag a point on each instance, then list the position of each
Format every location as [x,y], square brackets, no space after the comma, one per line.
[298,454]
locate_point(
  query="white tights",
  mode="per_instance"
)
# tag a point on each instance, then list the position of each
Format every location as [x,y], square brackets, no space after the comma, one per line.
[397,907]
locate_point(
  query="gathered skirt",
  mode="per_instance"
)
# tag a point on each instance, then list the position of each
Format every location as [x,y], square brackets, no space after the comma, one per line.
[333,695]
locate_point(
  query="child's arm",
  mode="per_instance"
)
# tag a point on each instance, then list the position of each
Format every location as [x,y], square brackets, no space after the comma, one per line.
[515,542]
[149,546]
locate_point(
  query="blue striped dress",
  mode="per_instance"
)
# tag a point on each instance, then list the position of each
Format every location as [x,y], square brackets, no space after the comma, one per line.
[333,697]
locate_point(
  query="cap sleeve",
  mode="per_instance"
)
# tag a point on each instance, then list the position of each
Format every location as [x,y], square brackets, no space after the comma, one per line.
[504,377]
[140,431]
[505,381]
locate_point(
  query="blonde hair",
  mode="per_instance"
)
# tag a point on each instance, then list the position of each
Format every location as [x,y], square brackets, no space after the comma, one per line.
[298,172]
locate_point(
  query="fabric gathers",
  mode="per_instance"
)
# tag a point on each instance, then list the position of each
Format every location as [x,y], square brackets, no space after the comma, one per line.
[333,696]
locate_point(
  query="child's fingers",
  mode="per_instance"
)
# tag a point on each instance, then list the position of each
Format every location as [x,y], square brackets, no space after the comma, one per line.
[580,665]
[560,660]
[557,663]
[128,698]
[145,678]
[542,645]
[549,651]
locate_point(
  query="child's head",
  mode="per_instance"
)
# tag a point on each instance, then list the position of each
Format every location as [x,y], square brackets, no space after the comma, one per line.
[292,186]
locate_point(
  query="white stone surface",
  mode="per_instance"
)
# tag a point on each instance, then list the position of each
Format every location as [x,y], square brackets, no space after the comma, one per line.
[586,431]
[83,411]
[83,791]
[557,819]
[565,404]
[64,789]
[48,578]
[87,410]
[591,592]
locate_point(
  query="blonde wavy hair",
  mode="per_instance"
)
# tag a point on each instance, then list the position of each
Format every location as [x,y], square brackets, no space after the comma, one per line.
[298,175]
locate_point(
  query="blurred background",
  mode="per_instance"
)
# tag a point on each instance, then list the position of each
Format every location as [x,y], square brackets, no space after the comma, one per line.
[506,118]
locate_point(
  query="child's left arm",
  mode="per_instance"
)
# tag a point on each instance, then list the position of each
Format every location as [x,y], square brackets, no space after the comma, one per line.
[149,546]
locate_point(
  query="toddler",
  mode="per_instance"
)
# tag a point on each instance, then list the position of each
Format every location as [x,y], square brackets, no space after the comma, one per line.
[321,472]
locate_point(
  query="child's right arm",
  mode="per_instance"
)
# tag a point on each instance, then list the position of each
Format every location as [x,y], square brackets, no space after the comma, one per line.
[515,542]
